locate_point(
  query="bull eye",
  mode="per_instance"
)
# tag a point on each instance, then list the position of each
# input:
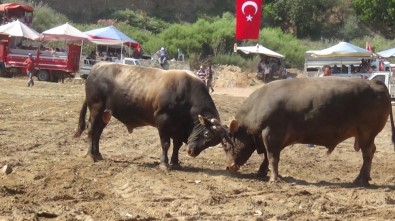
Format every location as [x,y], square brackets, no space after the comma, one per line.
[206,134]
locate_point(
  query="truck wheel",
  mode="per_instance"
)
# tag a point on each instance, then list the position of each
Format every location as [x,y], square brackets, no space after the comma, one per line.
[43,75]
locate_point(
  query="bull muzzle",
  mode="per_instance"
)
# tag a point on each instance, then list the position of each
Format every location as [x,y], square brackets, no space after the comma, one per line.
[233,168]
[191,153]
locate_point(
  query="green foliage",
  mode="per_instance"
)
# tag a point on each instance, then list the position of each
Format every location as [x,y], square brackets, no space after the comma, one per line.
[351,28]
[285,44]
[140,20]
[378,14]
[301,17]
[45,17]
[205,38]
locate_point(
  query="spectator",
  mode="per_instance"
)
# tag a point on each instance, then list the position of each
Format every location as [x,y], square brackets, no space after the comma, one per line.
[267,72]
[326,71]
[91,59]
[163,56]
[335,69]
[209,82]
[201,73]
[180,56]
[260,66]
[29,64]
[344,69]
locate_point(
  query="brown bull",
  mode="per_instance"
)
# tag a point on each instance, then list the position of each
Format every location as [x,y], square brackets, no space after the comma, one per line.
[321,111]
[175,102]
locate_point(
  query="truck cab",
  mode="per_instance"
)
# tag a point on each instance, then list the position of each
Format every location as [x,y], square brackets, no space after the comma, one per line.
[388,78]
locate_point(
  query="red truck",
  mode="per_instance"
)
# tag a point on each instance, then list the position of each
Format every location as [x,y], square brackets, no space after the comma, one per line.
[50,65]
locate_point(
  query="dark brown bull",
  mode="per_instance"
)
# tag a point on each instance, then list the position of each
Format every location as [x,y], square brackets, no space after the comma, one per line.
[175,102]
[321,111]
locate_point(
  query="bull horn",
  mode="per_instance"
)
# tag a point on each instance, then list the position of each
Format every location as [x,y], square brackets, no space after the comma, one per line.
[217,128]
[215,121]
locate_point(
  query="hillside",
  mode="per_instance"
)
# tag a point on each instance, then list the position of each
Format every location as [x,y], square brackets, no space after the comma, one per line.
[82,11]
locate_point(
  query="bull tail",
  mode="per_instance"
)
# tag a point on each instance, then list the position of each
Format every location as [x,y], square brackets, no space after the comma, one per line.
[81,122]
[392,127]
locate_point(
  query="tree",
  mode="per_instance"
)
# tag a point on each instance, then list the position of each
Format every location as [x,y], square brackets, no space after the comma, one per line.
[378,14]
[303,18]
[41,14]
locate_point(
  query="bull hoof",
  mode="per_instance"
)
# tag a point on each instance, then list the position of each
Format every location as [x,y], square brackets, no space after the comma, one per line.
[361,182]
[275,180]
[164,167]
[95,157]
[262,173]
[175,166]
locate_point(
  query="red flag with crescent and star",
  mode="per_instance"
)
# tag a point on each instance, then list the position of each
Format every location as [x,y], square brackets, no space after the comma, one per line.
[248,19]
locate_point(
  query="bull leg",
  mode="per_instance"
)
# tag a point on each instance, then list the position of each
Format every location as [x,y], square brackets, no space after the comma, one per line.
[97,127]
[164,160]
[175,164]
[264,167]
[273,150]
[95,130]
[364,175]
[274,159]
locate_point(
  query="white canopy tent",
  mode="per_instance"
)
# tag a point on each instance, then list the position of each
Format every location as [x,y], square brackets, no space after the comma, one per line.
[343,49]
[387,53]
[259,49]
[64,32]
[19,29]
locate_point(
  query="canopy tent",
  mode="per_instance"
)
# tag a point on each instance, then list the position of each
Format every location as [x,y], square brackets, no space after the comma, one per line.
[64,32]
[343,49]
[387,53]
[110,33]
[259,49]
[15,6]
[111,36]
[19,29]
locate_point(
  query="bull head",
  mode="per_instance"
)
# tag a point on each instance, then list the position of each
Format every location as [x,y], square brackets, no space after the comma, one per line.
[206,133]
[238,147]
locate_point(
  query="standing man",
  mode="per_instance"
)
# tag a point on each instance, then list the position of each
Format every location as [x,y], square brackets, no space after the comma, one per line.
[209,77]
[163,56]
[201,73]
[29,64]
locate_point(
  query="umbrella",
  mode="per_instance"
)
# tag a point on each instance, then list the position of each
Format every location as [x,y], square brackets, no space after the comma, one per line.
[64,32]
[19,29]
[387,53]
[111,33]
[8,6]
[343,49]
[259,49]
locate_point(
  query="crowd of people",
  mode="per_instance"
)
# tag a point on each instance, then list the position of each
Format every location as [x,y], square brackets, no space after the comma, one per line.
[365,66]
[267,67]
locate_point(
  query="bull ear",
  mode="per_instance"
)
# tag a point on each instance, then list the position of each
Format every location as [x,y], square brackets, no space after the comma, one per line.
[234,126]
[202,120]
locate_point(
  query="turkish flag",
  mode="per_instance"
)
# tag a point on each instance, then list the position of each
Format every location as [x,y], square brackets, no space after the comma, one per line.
[248,19]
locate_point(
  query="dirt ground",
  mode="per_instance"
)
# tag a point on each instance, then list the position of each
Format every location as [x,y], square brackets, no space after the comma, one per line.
[52,180]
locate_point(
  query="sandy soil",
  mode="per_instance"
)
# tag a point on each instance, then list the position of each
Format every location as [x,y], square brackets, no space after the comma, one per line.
[52,180]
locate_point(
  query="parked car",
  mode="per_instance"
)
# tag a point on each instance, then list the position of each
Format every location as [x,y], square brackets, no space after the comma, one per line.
[86,68]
